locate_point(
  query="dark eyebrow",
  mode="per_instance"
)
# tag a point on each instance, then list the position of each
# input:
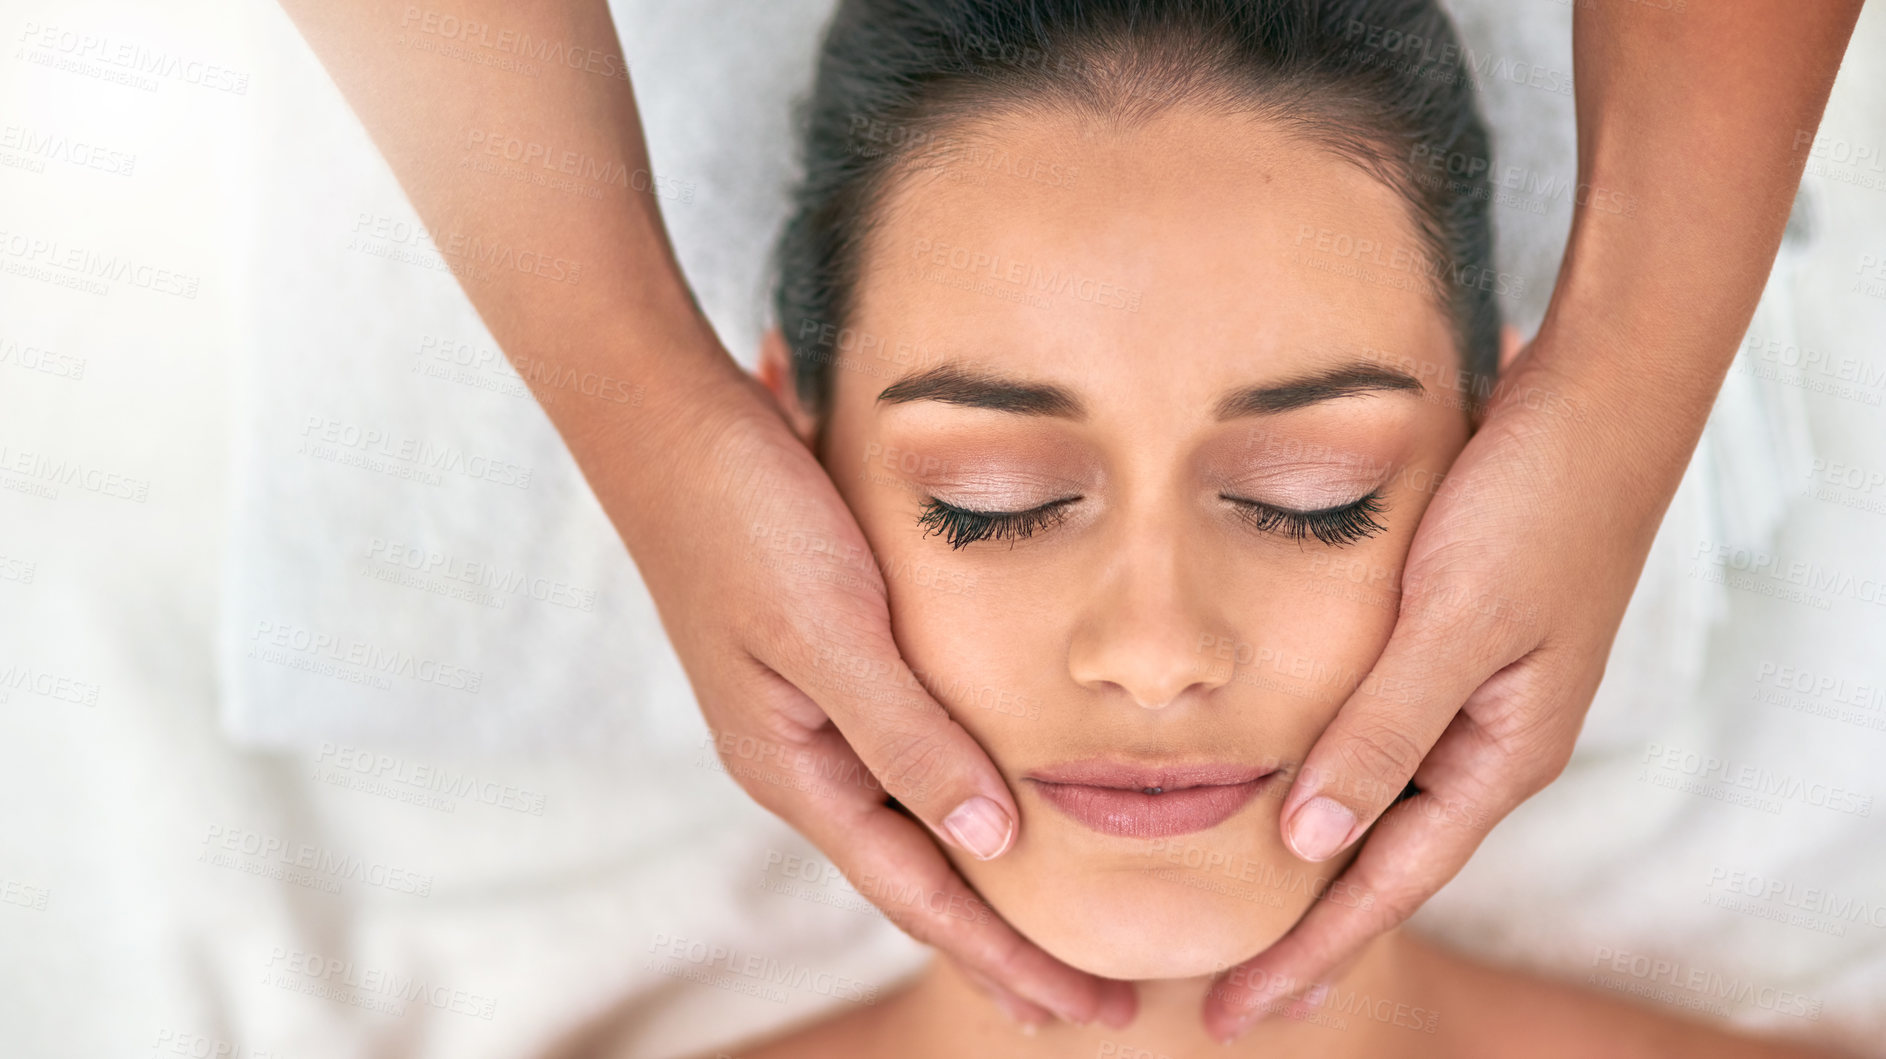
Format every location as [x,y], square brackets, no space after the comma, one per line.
[973,389]
[1310,389]
[952,384]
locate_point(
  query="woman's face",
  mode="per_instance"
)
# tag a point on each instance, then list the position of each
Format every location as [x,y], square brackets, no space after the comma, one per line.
[1152,350]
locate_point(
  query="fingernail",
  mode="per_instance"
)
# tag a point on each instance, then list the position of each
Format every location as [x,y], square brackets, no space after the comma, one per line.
[981,827]
[1320,828]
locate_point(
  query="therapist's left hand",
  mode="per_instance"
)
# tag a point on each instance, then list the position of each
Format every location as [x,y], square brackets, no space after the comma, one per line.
[1512,593]
[1520,571]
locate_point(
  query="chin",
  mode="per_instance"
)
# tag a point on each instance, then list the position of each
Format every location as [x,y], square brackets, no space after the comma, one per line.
[1143,925]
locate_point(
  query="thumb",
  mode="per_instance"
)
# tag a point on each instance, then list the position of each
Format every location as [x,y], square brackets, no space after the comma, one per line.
[1364,760]
[918,752]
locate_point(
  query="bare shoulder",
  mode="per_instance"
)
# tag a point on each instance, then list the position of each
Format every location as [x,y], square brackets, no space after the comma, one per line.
[1488,1012]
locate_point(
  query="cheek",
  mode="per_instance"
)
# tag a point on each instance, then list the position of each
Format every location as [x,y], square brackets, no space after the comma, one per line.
[1307,633]
[959,632]
[1318,623]
[954,625]
[985,642]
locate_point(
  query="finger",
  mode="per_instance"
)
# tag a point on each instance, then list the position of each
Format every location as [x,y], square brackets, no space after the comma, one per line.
[1414,850]
[1365,757]
[897,866]
[1468,782]
[927,761]
[1029,1015]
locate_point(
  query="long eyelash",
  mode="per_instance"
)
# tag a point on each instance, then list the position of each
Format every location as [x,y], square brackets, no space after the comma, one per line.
[1336,525]
[961,526]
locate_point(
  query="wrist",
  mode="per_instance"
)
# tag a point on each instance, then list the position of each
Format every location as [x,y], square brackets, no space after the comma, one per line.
[688,394]
[1596,427]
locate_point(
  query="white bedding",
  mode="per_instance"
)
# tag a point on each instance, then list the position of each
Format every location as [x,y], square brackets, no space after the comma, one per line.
[565,820]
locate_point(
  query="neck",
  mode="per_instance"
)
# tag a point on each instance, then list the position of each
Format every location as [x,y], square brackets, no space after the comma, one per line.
[1373,1008]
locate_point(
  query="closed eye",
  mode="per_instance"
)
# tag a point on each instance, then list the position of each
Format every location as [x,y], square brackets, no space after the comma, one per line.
[961,527]
[1338,526]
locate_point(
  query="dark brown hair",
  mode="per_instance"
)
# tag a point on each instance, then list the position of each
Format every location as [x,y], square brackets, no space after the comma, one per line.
[1379,81]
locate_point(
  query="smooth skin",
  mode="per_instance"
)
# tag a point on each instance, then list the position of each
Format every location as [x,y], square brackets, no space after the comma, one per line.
[1096,635]
[1696,114]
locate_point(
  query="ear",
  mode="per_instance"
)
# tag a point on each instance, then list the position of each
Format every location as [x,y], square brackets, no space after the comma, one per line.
[776,374]
[1510,346]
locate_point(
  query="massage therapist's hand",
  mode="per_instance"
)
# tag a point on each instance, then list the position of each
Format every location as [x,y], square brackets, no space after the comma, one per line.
[1519,573]
[779,613]
[1512,592]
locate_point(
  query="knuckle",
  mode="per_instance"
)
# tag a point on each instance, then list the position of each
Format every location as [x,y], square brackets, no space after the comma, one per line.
[1379,758]
[912,764]
[1535,744]
[1445,577]
[918,914]
[916,922]
[1393,909]
[1003,960]
[1537,770]
[1461,615]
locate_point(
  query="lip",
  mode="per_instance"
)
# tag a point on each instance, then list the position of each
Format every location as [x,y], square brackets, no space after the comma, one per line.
[1109,796]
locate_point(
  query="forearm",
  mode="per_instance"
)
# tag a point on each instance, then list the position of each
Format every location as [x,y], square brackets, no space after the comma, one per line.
[569,285]
[1693,130]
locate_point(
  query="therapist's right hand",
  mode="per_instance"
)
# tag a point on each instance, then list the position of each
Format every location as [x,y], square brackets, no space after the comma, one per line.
[778,611]
[762,576]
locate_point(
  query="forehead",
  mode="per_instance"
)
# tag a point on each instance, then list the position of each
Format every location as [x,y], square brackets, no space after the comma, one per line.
[1062,247]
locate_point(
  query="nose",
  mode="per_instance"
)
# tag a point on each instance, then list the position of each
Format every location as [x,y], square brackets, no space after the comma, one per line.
[1148,629]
